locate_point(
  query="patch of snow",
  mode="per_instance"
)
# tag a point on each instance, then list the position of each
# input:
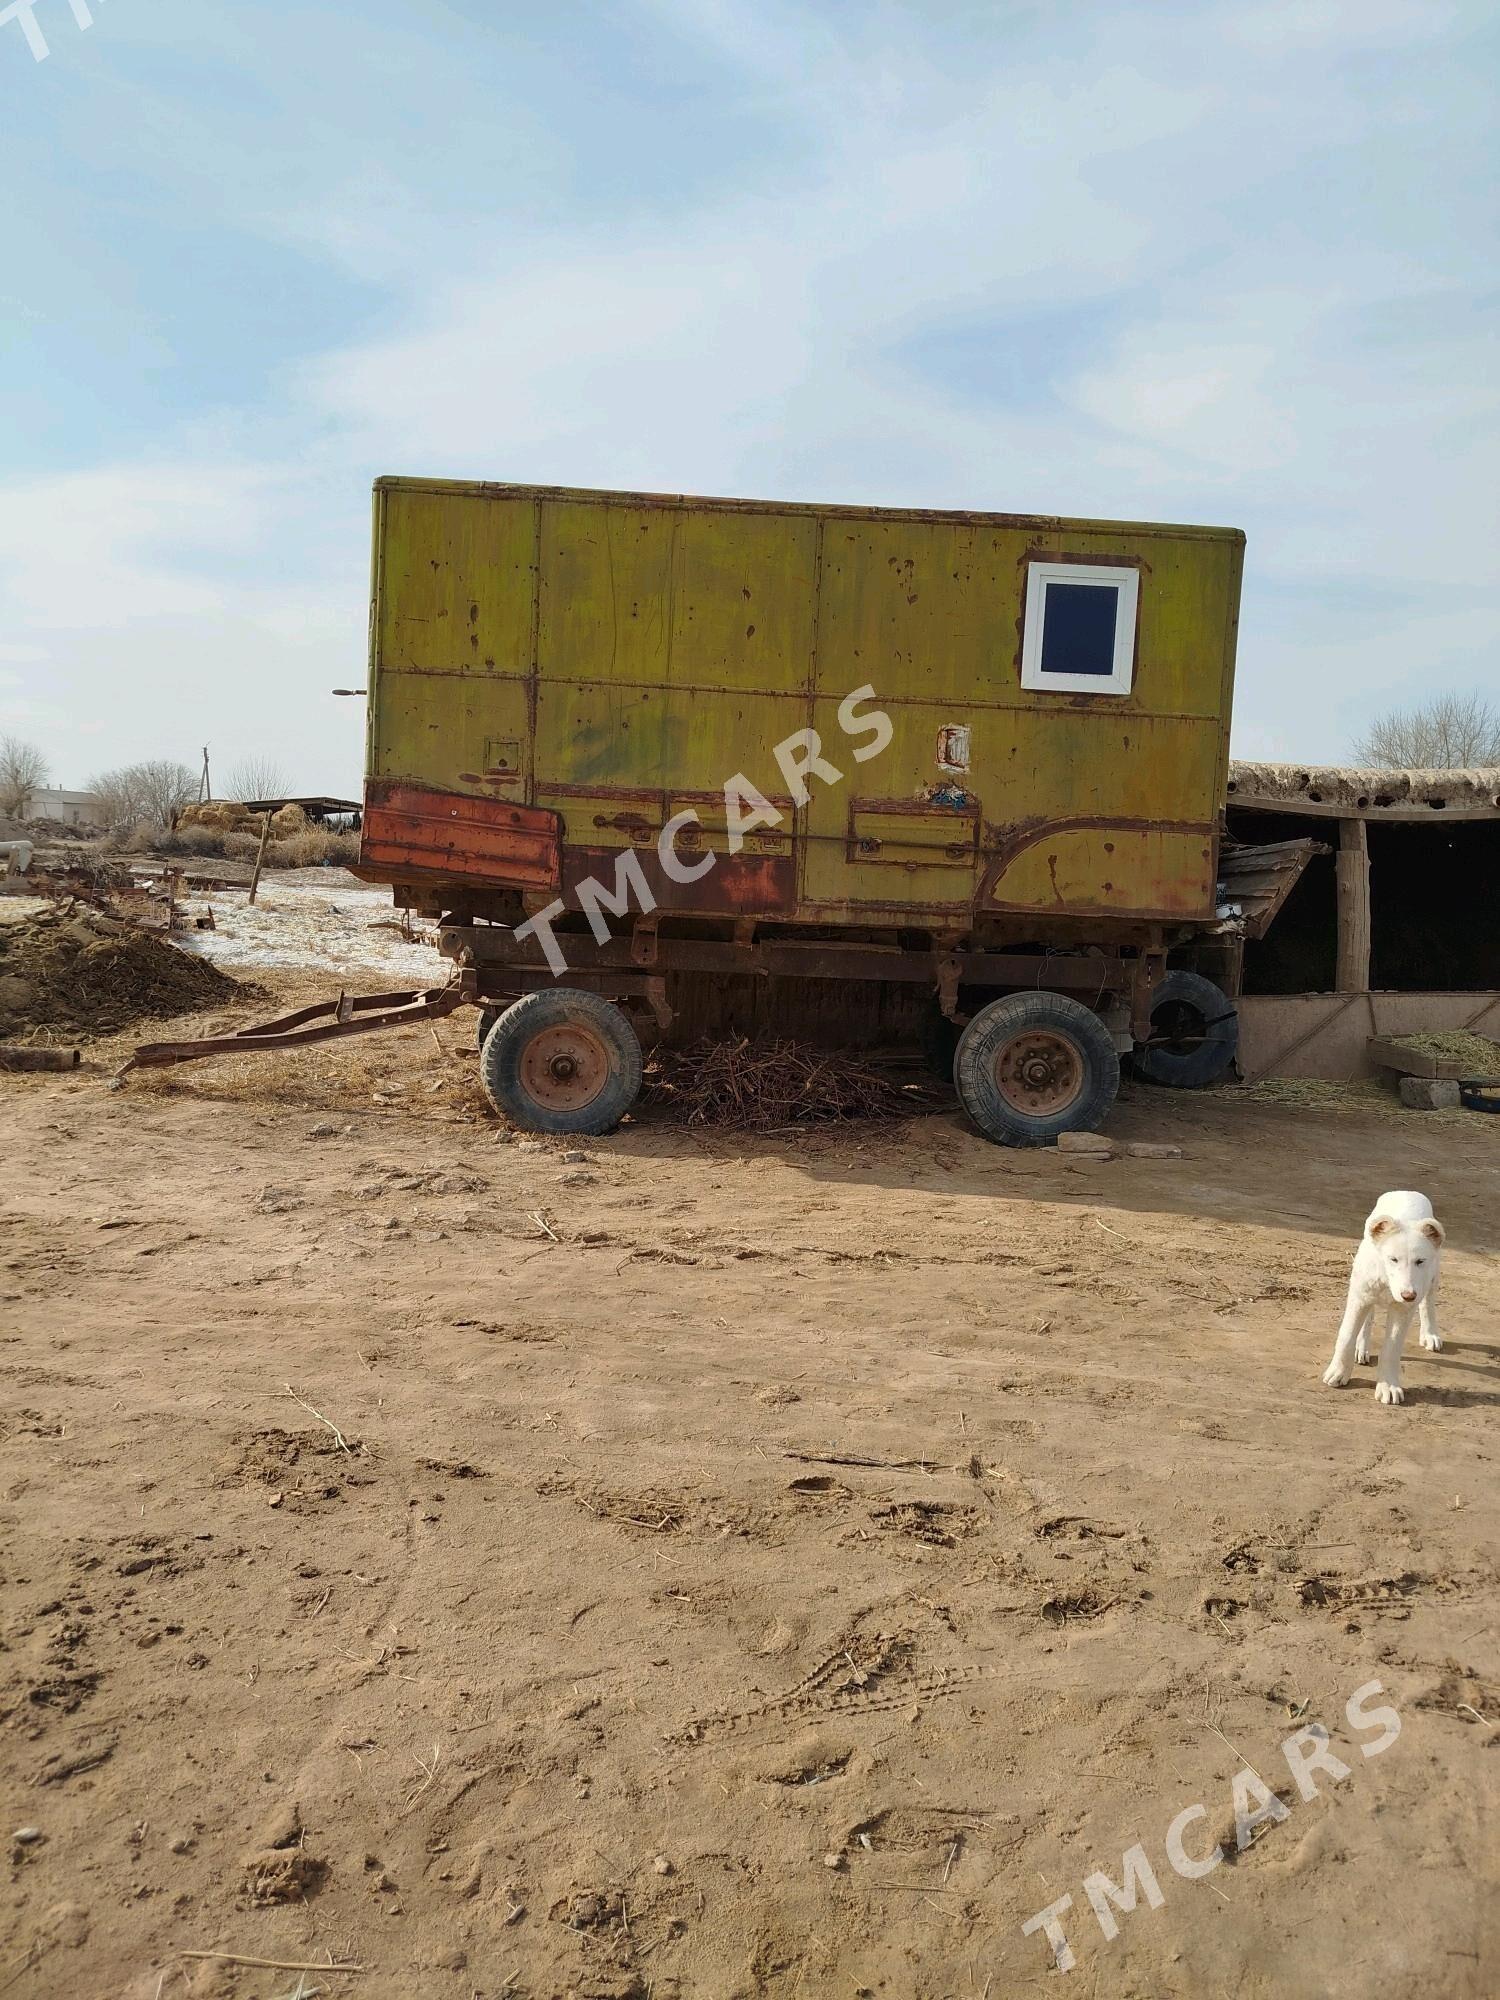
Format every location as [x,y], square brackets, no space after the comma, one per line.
[325,927]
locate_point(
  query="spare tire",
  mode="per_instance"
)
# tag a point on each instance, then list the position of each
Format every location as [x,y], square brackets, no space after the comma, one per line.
[1034,1065]
[1195,1034]
[562,1061]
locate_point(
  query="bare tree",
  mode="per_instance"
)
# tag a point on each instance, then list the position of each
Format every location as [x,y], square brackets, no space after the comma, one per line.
[257,778]
[117,803]
[165,788]
[1450,732]
[22,769]
[154,791]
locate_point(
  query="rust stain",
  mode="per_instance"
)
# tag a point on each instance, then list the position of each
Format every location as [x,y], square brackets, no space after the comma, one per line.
[737,884]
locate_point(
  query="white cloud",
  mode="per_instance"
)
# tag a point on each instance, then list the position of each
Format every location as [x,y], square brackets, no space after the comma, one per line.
[1278,25]
[112,546]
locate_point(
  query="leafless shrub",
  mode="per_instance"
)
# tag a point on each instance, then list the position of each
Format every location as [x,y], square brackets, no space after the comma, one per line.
[316,848]
[304,850]
[199,840]
[139,838]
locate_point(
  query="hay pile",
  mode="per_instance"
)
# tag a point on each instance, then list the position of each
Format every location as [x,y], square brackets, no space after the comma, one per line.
[227,816]
[1477,1054]
[77,968]
[760,1086]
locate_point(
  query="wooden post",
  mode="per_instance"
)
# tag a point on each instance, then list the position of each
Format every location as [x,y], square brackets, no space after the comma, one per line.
[265,834]
[1353,874]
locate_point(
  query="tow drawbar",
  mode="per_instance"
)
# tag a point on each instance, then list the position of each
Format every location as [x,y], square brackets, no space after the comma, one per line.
[349,1014]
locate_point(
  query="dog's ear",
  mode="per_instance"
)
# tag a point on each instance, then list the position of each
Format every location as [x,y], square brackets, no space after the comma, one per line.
[1382,1225]
[1434,1232]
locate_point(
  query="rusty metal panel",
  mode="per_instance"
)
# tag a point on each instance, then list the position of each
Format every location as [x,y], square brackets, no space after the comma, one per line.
[1112,868]
[410,830]
[933,848]
[712,829]
[745,884]
[609,819]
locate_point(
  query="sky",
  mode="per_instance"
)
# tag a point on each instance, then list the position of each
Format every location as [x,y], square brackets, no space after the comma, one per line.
[1233,264]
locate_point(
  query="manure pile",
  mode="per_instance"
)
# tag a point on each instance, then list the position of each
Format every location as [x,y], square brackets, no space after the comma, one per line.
[77,968]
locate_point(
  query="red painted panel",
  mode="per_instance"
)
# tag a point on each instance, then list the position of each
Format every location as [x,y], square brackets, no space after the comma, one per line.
[409,827]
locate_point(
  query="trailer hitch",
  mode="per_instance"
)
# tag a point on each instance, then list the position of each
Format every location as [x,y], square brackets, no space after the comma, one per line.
[328,1020]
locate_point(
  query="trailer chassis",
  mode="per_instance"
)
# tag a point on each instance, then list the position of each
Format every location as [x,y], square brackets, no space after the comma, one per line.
[633,968]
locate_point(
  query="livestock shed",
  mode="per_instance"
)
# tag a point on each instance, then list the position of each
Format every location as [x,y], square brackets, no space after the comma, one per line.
[1385,910]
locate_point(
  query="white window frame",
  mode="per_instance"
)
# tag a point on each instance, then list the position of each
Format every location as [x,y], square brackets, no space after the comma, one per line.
[1125,582]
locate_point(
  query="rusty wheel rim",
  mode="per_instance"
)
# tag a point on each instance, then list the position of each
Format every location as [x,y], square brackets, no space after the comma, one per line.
[565,1068]
[1039,1073]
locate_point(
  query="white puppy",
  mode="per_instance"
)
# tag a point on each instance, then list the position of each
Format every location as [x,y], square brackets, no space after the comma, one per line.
[1395,1268]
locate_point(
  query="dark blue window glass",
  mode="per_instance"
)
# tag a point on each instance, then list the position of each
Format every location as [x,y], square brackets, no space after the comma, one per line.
[1078,628]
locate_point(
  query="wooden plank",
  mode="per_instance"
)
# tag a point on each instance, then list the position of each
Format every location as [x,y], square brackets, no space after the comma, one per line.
[1260,879]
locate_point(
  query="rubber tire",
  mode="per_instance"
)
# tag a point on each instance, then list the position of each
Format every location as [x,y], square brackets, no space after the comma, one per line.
[500,1061]
[993,1026]
[1192,1069]
[488,1016]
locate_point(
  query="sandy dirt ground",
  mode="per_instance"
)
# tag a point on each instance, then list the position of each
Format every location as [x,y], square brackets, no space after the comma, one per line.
[721,1567]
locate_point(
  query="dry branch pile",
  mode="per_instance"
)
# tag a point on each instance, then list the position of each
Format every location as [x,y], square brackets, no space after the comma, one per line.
[78,968]
[765,1085]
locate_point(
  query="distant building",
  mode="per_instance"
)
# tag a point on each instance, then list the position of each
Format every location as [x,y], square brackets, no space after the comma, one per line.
[71,808]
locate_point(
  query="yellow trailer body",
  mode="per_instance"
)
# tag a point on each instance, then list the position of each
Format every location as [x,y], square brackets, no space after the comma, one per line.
[557,676]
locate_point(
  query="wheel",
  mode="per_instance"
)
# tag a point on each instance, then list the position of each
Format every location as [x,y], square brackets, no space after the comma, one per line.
[488,1016]
[1033,1065]
[561,1061]
[1195,1033]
